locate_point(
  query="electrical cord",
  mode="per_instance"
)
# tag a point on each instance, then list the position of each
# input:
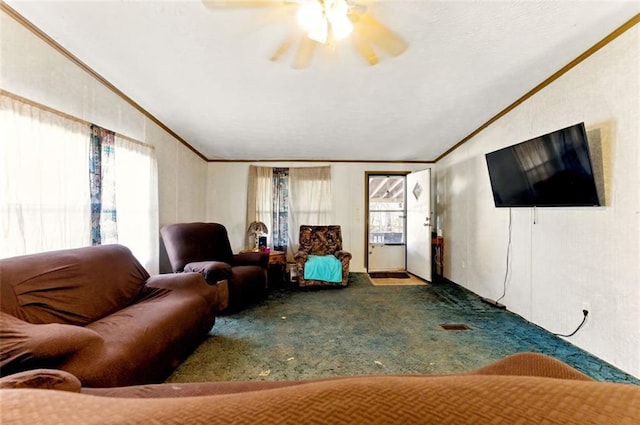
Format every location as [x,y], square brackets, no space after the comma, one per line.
[584,319]
[506,271]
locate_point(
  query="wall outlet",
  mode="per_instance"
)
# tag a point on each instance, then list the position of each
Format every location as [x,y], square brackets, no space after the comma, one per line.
[586,305]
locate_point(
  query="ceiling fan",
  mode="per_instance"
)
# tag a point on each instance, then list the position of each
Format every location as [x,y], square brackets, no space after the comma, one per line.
[328,22]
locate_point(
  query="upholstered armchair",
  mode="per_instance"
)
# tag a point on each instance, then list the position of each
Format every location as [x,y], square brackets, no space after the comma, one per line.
[204,248]
[321,241]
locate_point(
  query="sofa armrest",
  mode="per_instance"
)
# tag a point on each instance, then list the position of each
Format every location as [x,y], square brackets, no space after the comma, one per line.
[343,255]
[42,379]
[26,345]
[213,271]
[253,258]
[532,364]
[300,257]
[174,281]
[215,293]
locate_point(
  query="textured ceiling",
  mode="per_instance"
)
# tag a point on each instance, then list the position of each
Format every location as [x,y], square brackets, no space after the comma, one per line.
[206,73]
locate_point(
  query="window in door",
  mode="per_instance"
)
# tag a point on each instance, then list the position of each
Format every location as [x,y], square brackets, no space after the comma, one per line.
[387,209]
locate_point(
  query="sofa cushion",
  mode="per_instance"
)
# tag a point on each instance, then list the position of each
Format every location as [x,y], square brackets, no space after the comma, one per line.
[43,379]
[73,286]
[320,240]
[147,340]
[26,346]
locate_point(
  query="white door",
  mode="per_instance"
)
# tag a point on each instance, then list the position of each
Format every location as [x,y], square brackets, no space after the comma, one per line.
[419,224]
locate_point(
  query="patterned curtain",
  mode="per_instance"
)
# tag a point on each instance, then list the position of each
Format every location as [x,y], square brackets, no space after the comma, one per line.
[280,208]
[102,185]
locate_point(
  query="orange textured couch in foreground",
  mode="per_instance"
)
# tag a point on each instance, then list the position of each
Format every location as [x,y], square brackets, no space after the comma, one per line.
[525,388]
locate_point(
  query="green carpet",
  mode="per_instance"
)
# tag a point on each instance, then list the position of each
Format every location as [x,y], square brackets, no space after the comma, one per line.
[364,329]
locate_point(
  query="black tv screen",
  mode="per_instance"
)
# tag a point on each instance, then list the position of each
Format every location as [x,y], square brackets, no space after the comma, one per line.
[553,170]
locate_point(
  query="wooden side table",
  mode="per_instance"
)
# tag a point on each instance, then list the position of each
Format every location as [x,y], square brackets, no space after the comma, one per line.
[277,267]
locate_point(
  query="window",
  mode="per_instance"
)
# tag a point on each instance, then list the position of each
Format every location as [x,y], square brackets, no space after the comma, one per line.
[294,195]
[45,200]
[137,200]
[387,209]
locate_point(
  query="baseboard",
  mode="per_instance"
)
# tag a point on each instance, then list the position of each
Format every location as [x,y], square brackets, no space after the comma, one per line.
[444,280]
[493,303]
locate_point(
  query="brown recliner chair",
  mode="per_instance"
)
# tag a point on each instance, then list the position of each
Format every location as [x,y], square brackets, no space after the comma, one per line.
[205,248]
[321,241]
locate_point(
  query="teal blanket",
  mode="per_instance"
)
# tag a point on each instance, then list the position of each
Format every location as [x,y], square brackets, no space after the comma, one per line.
[323,267]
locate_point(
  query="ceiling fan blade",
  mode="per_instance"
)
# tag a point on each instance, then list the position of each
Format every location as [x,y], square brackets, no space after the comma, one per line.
[240,4]
[380,35]
[284,46]
[304,53]
[365,50]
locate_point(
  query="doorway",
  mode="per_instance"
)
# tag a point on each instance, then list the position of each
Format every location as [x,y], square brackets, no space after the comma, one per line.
[386,222]
[398,222]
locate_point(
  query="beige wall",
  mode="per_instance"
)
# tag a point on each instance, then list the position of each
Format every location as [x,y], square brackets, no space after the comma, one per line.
[562,259]
[33,69]
[227,201]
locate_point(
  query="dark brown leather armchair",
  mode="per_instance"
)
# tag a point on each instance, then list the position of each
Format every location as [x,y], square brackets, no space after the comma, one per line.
[205,248]
[321,240]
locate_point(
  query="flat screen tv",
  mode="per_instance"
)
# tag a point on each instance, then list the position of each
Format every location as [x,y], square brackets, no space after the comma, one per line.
[553,170]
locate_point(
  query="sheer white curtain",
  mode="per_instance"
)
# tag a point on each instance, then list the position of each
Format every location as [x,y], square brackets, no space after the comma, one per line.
[260,198]
[136,174]
[45,201]
[310,201]
[44,189]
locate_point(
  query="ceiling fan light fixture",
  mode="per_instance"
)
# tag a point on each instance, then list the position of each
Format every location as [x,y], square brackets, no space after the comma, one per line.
[341,27]
[335,9]
[320,32]
[315,17]
[310,14]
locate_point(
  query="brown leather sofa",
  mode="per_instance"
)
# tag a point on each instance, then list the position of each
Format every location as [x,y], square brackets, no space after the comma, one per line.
[205,248]
[525,388]
[96,313]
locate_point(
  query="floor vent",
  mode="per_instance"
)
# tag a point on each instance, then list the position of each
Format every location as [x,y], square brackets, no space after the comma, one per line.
[454,327]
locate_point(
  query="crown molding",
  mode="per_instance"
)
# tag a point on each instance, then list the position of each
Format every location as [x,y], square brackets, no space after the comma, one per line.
[54,44]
